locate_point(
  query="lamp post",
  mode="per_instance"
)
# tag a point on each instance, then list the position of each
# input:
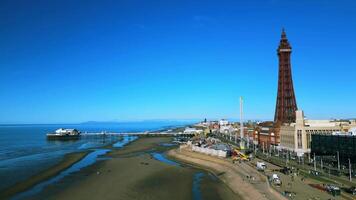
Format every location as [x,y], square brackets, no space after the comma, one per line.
[254,144]
[350,175]
[338,161]
[287,156]
[314,163]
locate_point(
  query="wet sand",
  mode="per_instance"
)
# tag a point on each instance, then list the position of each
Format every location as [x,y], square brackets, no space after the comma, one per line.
[132,173]
[65,163]
[234,175]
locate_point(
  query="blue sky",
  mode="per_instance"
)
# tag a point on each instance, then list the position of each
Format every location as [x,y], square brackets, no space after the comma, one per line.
[72,61]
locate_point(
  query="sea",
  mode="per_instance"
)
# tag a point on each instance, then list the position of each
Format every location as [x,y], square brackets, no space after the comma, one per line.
[25,150]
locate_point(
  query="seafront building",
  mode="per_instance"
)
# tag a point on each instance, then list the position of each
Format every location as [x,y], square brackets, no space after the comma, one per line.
[338,145]
[227,129]
[223,122]
[195,131]
[264,135]
[297,137]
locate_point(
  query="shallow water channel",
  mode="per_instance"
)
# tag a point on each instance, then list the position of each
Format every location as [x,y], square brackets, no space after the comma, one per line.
[88,160]
[198,176]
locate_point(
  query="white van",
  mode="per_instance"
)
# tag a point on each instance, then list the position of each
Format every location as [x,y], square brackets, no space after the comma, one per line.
[261,166]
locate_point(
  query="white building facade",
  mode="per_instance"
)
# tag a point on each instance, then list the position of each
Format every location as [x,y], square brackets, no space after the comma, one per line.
[296,137]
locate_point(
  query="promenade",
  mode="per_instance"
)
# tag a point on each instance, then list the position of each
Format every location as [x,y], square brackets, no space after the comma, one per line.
[242,179]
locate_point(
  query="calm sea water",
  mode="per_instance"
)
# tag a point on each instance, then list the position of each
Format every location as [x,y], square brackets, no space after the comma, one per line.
[25,151]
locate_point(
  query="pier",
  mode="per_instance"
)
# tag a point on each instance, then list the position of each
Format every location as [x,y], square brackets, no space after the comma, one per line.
[142,134]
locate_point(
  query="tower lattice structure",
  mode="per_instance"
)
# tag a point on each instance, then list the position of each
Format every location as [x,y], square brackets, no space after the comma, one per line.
[286,104]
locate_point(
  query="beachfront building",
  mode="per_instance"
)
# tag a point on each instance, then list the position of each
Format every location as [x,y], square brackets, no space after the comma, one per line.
[265,135]
[228,129]
[214,126]
[204,124]
[296,137]
[223,122]
[195,131]
[343,145]
[249,134]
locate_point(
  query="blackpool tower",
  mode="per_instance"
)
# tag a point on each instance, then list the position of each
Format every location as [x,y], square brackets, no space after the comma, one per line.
[286,104]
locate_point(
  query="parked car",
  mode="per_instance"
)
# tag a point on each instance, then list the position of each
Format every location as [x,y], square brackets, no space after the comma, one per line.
[276,180]
[286,170]
[289,194]
[334,190]
[315,173]
[352,190]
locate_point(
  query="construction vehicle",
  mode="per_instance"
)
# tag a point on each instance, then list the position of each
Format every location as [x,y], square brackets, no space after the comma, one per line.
[239,156]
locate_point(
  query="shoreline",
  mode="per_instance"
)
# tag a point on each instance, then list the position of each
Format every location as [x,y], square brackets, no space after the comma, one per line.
[210,170]
[227,173]
[132,172]
[135,164]
[66,162]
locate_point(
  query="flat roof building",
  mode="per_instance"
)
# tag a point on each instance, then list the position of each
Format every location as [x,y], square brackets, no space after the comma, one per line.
[326,145]
[297,137]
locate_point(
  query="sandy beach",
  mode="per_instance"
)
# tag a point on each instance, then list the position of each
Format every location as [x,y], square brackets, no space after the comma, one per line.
[132,172]
[233,175]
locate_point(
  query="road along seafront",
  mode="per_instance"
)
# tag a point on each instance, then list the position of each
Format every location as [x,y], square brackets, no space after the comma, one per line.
[241,178]
[139,170]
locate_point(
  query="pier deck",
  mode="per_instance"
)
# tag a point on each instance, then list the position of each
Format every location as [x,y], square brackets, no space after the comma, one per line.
[149,134]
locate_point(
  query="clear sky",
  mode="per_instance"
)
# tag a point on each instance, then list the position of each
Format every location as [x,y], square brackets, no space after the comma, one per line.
[72,61]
